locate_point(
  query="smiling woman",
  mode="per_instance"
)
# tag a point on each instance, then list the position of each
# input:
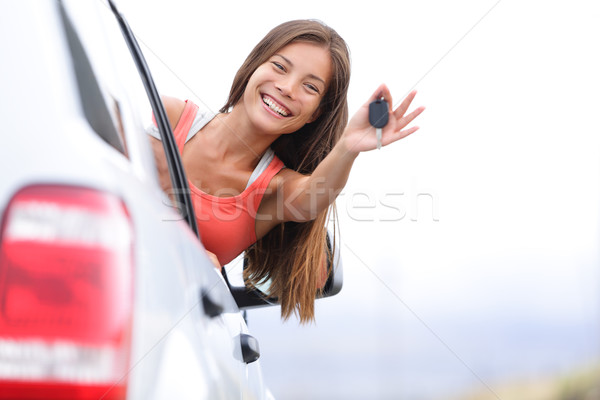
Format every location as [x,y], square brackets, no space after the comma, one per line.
[265,172]
[290,86]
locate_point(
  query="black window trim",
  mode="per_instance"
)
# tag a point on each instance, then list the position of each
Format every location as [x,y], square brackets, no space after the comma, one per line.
[176,171]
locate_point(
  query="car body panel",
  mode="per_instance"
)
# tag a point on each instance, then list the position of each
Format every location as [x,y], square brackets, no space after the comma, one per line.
[177,350]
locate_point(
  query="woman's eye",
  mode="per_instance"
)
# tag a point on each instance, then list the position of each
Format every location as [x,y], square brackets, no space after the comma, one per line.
[278,66]
[312,87]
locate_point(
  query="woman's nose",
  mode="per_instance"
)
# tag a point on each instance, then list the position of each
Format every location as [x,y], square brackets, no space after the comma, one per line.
[286,87]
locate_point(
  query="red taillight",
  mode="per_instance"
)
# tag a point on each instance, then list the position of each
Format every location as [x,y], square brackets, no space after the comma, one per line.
[65,294]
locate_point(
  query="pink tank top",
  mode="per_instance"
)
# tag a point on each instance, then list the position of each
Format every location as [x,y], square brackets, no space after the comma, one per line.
[226,224]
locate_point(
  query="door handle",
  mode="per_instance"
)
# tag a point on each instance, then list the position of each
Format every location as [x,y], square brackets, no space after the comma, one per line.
[211,307]
[250,349]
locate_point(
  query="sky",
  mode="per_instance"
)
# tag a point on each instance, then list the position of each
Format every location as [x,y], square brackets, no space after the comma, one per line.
[471,248]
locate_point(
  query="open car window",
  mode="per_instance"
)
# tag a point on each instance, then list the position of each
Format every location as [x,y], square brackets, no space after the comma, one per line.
[168,161]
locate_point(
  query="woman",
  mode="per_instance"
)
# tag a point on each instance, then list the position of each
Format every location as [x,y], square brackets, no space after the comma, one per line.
[265,172]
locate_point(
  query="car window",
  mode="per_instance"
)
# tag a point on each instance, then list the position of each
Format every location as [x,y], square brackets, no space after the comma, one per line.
[100,106]
[179,190]
[114,96]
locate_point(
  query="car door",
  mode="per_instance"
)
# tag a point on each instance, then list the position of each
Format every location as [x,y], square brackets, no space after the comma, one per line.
[186,318]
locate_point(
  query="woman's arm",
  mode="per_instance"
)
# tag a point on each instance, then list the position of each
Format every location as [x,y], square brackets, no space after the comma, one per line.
[306,195]
[174,108]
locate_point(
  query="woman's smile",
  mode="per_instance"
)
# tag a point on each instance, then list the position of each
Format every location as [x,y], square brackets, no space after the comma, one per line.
[276,107]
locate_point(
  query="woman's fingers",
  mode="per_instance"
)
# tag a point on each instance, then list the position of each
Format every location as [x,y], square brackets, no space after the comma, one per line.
[389,139]
[382,91]
[406,132]
[213,257]
[361,129]
[408,118]
[399,112]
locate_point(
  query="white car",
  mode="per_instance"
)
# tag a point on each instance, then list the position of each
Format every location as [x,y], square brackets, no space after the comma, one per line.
[105,290]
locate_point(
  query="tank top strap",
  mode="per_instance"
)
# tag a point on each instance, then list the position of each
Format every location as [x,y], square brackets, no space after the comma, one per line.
[184,124]
[262,182]
[274,167]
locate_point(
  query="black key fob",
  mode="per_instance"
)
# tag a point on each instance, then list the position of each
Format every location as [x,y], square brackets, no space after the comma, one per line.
[378,113]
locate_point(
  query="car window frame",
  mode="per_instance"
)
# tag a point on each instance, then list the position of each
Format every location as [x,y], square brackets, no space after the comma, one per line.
[181,190]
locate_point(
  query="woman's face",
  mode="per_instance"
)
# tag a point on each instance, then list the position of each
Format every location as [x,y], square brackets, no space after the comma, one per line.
[284,93]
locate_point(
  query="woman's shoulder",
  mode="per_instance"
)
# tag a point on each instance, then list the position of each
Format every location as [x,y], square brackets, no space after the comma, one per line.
[283,174]
[174,108]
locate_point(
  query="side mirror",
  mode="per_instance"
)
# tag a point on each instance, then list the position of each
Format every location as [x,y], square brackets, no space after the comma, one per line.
[252,297]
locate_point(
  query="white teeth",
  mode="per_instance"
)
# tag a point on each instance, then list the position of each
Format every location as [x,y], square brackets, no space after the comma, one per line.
[274,106]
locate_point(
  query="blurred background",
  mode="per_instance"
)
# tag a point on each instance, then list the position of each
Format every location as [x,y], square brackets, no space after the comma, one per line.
[470,249]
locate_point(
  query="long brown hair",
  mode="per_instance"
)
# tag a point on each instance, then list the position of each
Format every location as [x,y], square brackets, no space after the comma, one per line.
[290,255]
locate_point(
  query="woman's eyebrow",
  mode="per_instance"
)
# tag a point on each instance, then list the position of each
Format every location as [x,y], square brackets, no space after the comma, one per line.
[313,76]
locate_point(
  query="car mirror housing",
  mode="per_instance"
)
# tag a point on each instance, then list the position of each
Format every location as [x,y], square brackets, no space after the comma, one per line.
[248,296]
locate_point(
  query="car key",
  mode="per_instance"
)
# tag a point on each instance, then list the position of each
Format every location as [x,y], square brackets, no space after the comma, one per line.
[378,117]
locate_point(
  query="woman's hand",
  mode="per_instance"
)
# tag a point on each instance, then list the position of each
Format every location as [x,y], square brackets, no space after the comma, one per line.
[320,188]
[213,257]
[359,135]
